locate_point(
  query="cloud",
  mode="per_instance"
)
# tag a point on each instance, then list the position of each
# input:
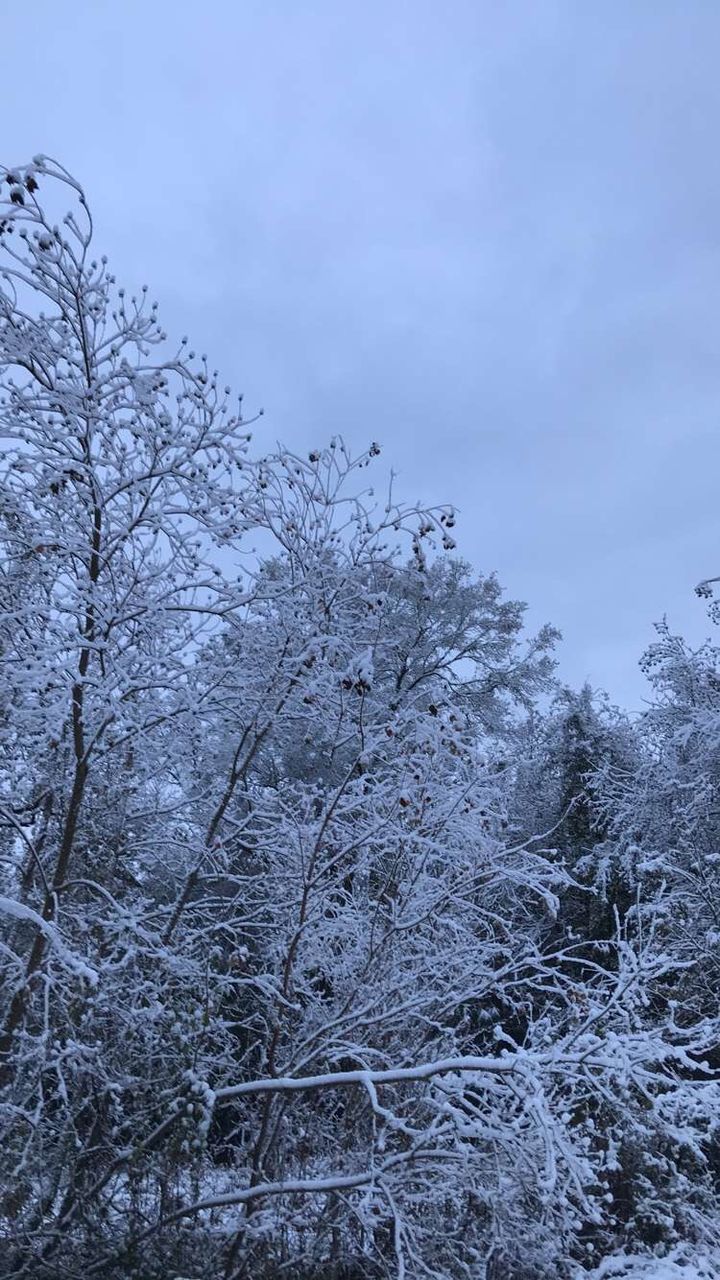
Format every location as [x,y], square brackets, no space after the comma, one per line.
[487,235]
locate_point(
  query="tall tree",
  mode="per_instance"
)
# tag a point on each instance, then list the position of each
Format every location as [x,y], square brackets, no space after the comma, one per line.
[274,963]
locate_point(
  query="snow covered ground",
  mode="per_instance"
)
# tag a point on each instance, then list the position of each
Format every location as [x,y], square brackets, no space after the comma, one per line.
[680,1265]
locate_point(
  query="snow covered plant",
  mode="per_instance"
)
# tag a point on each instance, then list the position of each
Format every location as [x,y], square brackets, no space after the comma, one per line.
[282,994]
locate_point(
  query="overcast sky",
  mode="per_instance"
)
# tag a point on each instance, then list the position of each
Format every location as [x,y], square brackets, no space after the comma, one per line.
[486,234]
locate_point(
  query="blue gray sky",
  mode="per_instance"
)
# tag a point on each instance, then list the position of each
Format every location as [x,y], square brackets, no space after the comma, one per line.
[485,234]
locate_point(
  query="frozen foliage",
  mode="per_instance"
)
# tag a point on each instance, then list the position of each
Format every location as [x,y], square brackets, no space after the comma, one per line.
[325,952]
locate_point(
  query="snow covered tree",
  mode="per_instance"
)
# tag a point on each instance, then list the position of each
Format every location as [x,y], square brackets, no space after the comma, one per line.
[282,988]
[657,819]
[568,760]
[666,812]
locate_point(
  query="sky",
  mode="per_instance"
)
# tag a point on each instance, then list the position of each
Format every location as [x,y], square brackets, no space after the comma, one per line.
[485,234]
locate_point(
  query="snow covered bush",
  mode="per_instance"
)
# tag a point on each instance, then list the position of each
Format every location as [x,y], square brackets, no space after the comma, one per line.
[681,1264]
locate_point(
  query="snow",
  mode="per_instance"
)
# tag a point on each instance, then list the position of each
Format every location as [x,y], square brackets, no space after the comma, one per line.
[681,1264]
[19,911]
